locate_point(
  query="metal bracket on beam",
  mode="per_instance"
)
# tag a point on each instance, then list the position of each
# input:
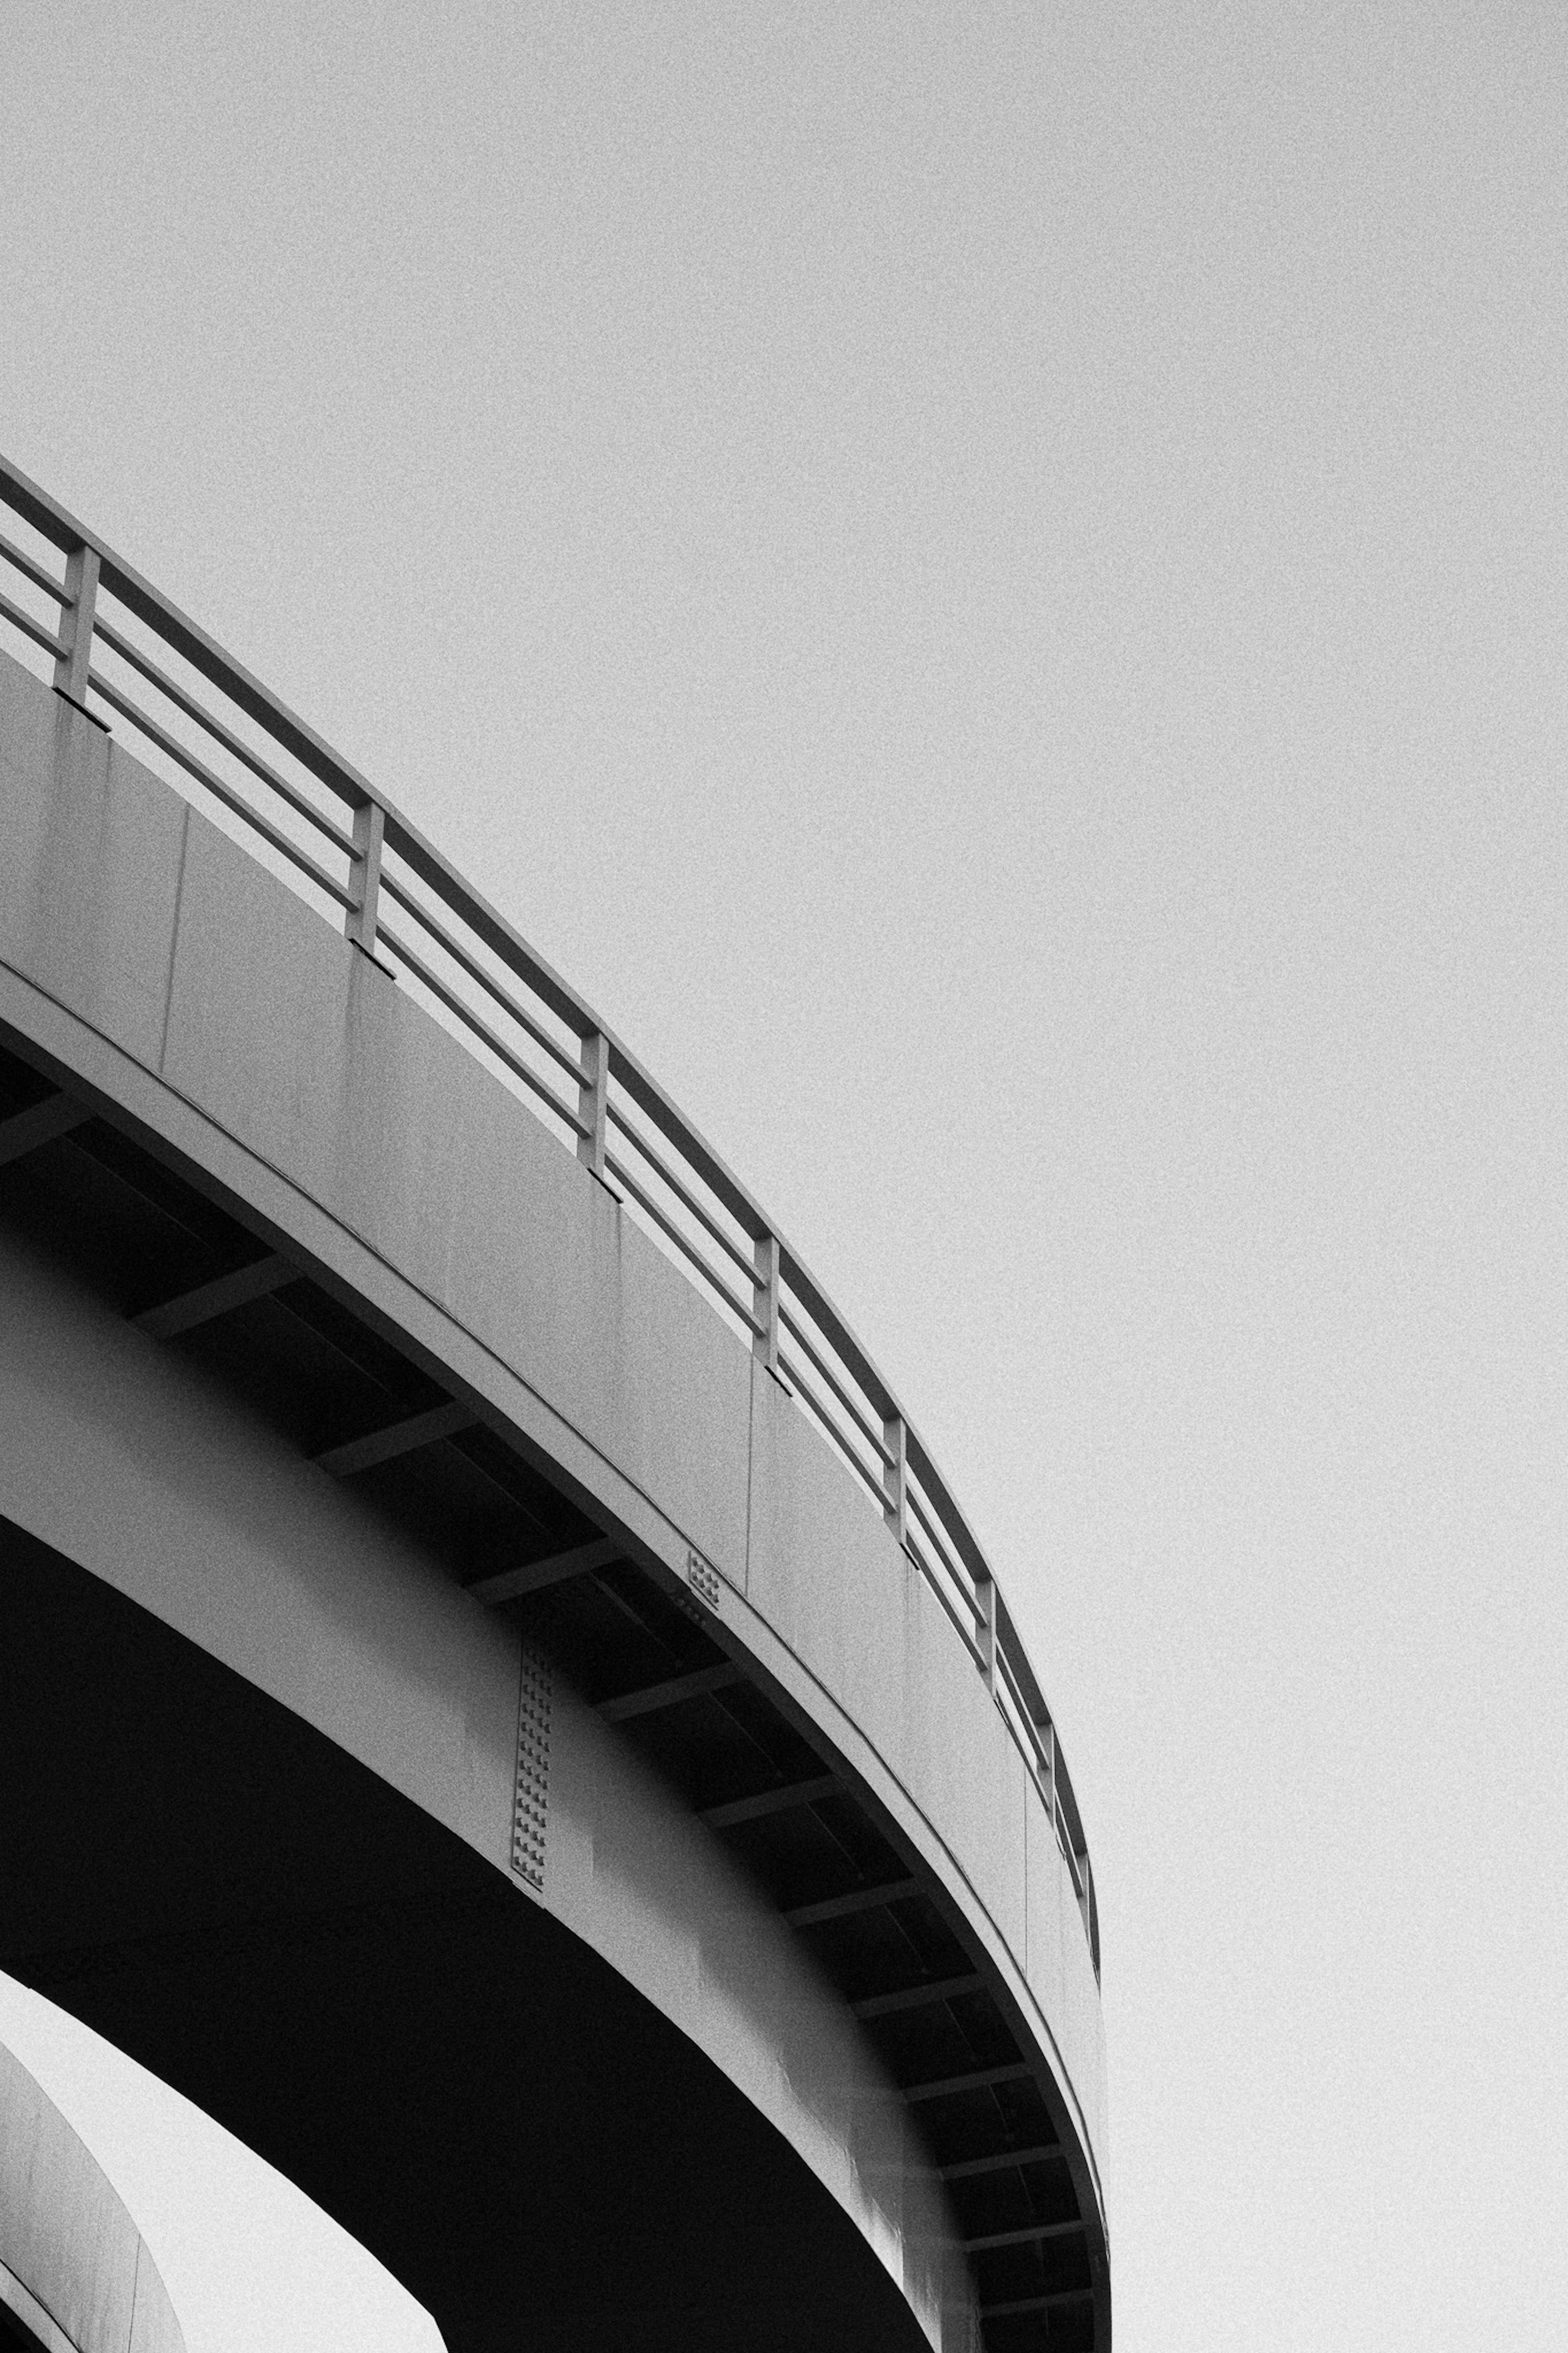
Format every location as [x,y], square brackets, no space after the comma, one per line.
[397,1438]
[40,1123]
[533,1575]
[219,1297]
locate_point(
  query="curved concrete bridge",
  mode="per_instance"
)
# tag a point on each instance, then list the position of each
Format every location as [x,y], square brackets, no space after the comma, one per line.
[510,1719]
[76,2275]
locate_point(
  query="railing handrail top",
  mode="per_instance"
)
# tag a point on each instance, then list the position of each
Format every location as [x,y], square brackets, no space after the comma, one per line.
[56,524]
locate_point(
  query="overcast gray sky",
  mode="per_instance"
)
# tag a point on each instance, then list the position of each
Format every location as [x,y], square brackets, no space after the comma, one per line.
[989,581]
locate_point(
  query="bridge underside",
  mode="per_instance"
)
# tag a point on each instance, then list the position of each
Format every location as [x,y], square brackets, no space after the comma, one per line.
[479,2100]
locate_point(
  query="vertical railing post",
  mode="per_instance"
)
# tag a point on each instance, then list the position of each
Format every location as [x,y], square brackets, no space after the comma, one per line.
[594,1103]
[365,876]
[75,650]
[896,1475]
[765,1302]
[985,1630]
[1046,1733]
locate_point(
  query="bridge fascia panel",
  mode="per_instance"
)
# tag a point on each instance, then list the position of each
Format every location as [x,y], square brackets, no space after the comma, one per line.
[90,879]
[311,1058]
[74,2268]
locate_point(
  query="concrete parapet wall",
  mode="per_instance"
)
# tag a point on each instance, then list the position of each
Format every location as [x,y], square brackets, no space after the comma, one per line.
[73,2266]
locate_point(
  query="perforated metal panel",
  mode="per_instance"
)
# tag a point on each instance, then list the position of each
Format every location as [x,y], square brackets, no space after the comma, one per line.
[530,1799]
[703,1580]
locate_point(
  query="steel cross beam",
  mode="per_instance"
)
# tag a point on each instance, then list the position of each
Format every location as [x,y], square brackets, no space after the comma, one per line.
[533,1575]
[918,1997]
[770,1801]
[653,1697]
[396,1438]
[40,1123]
[857,1899]
[220,1297]
[977,2079]
[997,2163]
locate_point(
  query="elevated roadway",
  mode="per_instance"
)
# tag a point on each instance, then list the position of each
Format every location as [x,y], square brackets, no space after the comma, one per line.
[509,1717]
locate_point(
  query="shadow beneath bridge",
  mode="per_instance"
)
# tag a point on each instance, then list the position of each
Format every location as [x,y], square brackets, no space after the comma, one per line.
[530,2147]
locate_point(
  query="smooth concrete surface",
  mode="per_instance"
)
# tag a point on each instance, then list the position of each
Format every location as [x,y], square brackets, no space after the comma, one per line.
[173,978]
[74,2268]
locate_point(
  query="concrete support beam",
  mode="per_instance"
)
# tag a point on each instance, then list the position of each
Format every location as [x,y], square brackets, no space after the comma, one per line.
[397,1438]
[40,1123]
[1033,2236]
[977,2079]
[859,1899]
[920,1997]
[998,2163]
[1037,2303]
[770,1801]
[653,1697]
[533,1575]
[220,1297]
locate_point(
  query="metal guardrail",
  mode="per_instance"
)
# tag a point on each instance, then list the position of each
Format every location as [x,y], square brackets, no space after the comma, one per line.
[107,637]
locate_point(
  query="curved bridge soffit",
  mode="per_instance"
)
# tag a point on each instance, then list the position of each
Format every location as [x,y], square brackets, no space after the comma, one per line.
[76,2275]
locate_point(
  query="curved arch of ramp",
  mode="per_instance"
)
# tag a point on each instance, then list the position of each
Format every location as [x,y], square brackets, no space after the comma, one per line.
[76,2275]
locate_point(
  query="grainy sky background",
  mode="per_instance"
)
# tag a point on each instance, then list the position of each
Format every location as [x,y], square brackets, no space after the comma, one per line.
[989,581]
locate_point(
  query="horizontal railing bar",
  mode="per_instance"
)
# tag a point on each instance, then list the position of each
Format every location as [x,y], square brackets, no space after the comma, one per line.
[33,572]
[693,1206]
[476,971]
[920,1510]
[118,579]
[804,1390]
[942,1502]
[837,1335]
[862,1420]
[28,626]
[683,1241]
[48,518]
[482,1029]
[1031,1740]
[219,790]
[942,1587]
[339,836]
[651,1099]
[842,1439]
[423,859]
[1035,1706]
